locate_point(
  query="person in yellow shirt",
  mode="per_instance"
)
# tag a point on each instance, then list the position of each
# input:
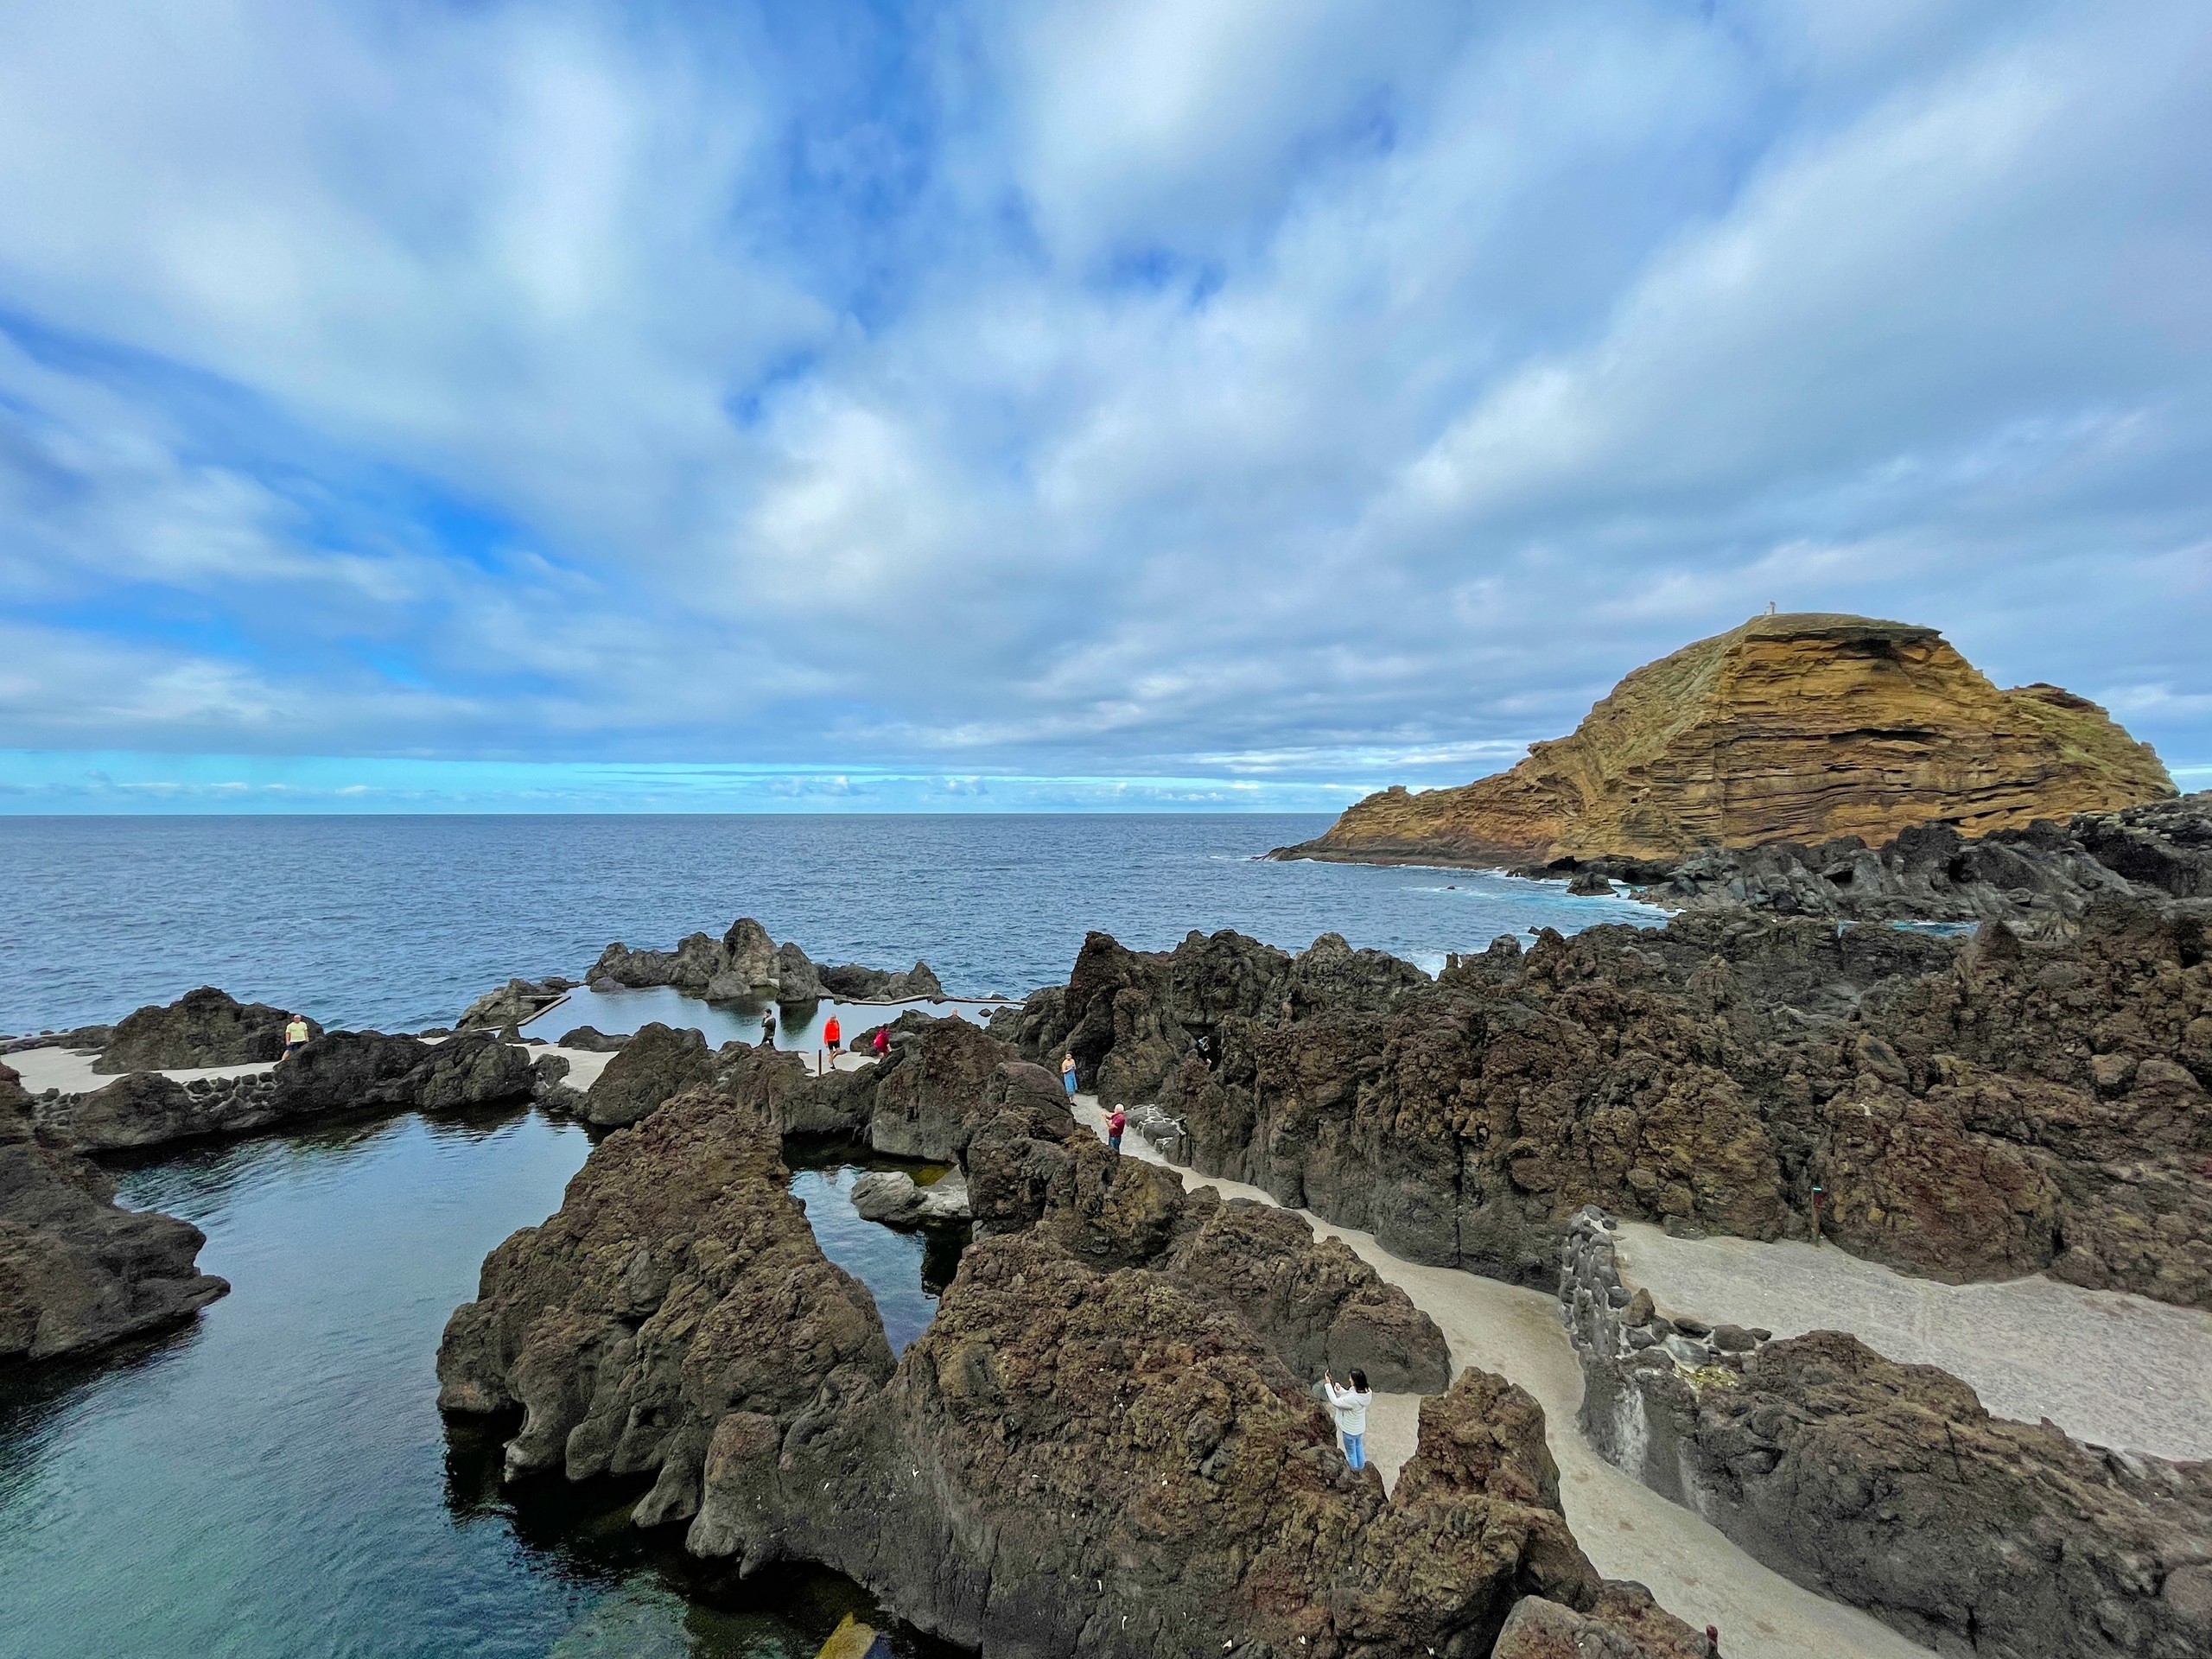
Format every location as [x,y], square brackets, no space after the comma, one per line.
[296,1034]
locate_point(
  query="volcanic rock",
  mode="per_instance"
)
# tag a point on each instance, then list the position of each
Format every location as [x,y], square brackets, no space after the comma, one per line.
[1798,727]
[76,1271]
[1975,1108]
[1890,1487]
[852,982]
[201,1027]
[593,1041]
[895,1198]
[2040,881]
[514,1003]
[678,1285]
[1099,1465]
[1131,1017]
[796,980]
[747,965]
[652,1067]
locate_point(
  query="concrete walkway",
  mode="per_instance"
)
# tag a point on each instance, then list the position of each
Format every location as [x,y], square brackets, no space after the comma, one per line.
[1626,1529]
[2111,1369]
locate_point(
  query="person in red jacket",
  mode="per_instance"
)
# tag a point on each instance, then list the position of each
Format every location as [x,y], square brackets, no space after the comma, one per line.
[1116,1121]
[881,1044]
[832,1036]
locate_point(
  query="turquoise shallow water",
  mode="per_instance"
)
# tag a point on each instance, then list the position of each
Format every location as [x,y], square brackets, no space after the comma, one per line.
[276,1480]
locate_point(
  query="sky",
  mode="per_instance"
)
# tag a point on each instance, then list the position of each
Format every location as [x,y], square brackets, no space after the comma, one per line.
[1176,404]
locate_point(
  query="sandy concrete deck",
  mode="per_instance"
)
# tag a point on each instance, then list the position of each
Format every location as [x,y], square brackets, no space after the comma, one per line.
[2115,1369]
[1626,1529]
[58,1068]
[72,1073]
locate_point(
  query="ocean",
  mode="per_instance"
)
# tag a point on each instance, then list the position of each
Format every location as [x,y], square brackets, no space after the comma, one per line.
[397,923]
[274,1480]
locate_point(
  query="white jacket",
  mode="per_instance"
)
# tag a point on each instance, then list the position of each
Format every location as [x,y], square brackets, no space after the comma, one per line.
[1350,1406]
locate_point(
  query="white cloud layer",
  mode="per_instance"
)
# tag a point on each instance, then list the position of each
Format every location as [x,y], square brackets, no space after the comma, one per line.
[1300,391]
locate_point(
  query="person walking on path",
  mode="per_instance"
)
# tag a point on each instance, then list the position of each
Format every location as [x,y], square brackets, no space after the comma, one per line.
[832,1035]
[296,1034]
[1351,1406]
[1116,1121]
[1067,1074]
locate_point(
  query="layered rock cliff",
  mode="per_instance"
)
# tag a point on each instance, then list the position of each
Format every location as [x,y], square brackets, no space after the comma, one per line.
[1800,727]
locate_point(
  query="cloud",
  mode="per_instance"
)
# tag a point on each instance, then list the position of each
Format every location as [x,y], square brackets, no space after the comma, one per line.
[1227,392]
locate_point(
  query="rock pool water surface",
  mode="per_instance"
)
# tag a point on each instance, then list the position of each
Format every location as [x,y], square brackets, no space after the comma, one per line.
[276,1480]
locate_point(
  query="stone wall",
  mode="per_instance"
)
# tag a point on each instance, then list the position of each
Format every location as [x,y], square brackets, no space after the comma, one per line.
[1889,1487]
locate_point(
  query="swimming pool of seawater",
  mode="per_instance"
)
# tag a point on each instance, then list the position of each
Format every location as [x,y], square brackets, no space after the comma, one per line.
[277,1479]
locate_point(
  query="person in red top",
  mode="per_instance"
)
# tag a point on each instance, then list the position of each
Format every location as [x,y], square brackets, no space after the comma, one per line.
[1116,1121]
[882,1043]
[832,1036]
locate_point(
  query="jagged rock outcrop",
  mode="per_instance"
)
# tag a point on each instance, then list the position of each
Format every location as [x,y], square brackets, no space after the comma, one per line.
[797,980]
[1131,1017]
[1091,1465]
[1317,1305]
[1798,727]
[203,1027]
[513,1003]
[337,1073]
[1973,1109]
[678,1283]
[657,1064]
[852,982]
[77,1272]
[2039,880]
[1081,1456]
[746,964]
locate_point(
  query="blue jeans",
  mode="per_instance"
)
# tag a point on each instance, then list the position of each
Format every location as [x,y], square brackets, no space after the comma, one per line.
[1356,1451]
[1068,1077]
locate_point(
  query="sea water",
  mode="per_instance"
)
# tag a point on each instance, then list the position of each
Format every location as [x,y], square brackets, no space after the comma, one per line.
[274,1480]
[399,923]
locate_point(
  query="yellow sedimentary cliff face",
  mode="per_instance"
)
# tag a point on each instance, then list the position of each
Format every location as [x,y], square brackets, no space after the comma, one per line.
[1798,728]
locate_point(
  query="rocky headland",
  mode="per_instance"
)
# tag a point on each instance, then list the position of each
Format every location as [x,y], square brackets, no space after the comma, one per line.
[1104,1445]
[1801,728]
[77,1271]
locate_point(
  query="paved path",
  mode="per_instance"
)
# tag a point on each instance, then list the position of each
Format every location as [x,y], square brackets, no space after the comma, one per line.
[1626,1529]
[2114,1370]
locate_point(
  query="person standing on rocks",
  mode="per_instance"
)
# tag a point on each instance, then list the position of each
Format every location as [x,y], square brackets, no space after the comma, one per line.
[1067,1074]
[1116,1121]
[296,1034]
[1351,1406]
[832,1034]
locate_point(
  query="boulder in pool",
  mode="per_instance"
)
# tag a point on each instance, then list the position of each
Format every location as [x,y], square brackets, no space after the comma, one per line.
[897,1199]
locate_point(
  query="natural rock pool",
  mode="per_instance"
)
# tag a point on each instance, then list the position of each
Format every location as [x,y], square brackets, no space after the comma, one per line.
[275,1480]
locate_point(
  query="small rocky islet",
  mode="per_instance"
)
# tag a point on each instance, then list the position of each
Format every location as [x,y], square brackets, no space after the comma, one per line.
[1104,1443]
